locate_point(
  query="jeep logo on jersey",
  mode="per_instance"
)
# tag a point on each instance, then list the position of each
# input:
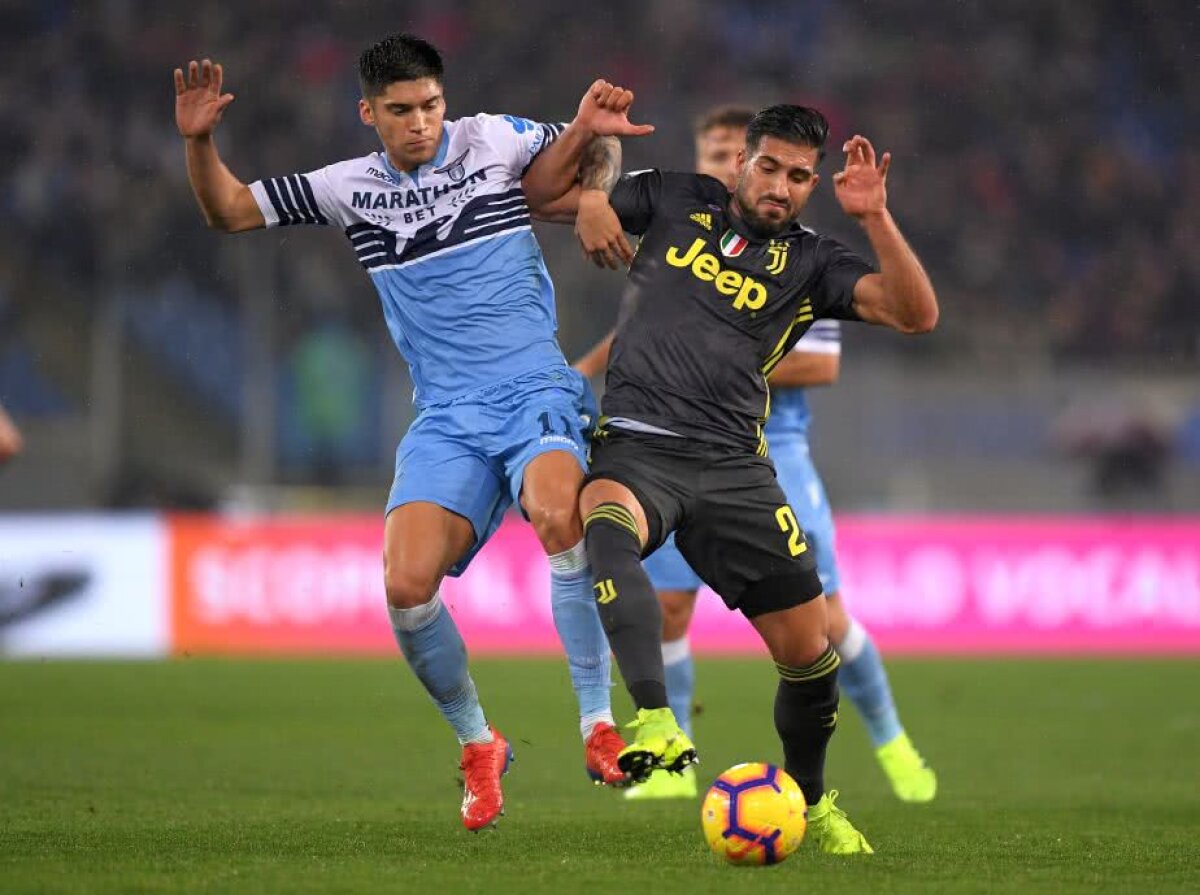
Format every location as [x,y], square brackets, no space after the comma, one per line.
[749,294]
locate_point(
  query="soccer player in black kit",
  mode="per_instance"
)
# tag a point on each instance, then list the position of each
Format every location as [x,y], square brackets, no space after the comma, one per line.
[721,288]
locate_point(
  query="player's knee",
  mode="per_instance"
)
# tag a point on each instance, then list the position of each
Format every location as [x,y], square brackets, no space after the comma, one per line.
[812,647]
[796,638]
[675,624]
[801,649]
[677,616]
[839,620]
[557,525]
[408,588]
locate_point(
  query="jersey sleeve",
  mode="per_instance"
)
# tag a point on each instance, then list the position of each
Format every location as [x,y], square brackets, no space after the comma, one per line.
[296,199]
[838,270]
[517,141]
[823,337]
[635,199]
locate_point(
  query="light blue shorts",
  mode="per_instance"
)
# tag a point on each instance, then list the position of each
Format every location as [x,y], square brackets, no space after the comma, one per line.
[798,478]
[469,455]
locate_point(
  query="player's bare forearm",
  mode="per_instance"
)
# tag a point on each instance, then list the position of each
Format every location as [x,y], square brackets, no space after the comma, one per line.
[556,169]
[599,170]
[597,226]
[900,295]
[595,362]
[805,369]
[561,211]
[600,167]
[226,202]
[10,437]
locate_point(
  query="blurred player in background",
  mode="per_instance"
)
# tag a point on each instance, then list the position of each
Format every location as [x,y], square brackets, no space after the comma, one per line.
[722,288]
[11,442]
[720,136]
[440,221]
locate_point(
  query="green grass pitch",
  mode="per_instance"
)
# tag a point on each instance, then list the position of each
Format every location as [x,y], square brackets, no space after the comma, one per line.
[338,776]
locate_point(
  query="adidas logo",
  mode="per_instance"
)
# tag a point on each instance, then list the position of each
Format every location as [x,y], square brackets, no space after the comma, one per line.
[703,218]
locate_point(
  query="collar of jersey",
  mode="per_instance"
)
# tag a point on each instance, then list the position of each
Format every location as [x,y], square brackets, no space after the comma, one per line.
[398,175]
[735,223]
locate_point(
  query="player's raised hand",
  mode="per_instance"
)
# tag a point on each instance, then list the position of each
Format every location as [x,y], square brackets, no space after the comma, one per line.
[861,186]
[604,110]
[199,102]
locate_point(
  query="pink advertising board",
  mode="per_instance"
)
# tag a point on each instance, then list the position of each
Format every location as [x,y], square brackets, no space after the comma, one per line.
[921,584]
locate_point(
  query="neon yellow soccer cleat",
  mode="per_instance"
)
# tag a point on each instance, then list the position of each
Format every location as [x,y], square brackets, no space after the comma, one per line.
[829,827]
[665,785]
[912,780]
[660,743]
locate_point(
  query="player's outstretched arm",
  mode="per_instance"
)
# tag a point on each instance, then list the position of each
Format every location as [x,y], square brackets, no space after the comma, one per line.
[805,369]
[10,438]
[603,112]
[227,203]
[595,362]
[901,295]
[597,227]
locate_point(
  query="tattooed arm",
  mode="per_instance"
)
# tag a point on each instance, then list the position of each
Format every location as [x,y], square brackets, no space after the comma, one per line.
[599,169]
[596,225]
[599,231]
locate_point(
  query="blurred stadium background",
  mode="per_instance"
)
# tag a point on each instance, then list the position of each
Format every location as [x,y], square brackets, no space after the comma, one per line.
[1046,168]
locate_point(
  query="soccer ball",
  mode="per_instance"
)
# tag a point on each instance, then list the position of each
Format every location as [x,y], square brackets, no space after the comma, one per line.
[754,813]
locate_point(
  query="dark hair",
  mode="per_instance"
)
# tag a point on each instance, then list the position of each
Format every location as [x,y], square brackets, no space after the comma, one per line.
[796,124]
[722,116]
[398,57]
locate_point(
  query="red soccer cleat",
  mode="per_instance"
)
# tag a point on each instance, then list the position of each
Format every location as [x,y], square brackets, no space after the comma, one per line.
[600,751]
[483,764]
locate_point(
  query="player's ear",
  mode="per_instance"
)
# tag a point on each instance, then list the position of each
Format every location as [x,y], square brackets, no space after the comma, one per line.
[365,113]
[741,161]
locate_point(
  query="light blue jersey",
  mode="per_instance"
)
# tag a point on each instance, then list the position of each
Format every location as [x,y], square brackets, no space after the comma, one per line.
[469,305]
[790,416]
[449,248]
[787,440]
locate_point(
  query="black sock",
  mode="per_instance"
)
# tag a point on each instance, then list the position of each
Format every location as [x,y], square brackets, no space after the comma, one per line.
[805,715]
[628,606]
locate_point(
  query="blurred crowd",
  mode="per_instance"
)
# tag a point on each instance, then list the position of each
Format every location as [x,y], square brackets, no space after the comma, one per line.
[1046,152]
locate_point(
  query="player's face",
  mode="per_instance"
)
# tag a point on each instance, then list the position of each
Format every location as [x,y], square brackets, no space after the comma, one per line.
[774,184]
[717,153]
[408,118]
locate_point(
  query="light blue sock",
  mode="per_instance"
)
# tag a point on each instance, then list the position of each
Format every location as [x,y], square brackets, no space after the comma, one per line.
[578,624]
[436,653]
[681,680]
[864,680]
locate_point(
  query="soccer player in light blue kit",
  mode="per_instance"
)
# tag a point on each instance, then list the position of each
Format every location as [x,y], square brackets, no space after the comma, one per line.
[814,361]
[440,220]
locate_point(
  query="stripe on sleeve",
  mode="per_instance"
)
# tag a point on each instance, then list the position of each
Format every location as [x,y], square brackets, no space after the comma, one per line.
[312,201]
[285,196]
[297,195]
[273,195]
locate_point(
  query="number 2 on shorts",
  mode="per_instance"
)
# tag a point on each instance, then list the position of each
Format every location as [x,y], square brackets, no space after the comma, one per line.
[790,527]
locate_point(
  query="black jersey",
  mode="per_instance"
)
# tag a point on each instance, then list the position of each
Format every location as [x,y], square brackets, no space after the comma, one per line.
[709,310]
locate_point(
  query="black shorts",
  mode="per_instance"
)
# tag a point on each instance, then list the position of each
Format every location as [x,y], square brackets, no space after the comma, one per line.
[731,519]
